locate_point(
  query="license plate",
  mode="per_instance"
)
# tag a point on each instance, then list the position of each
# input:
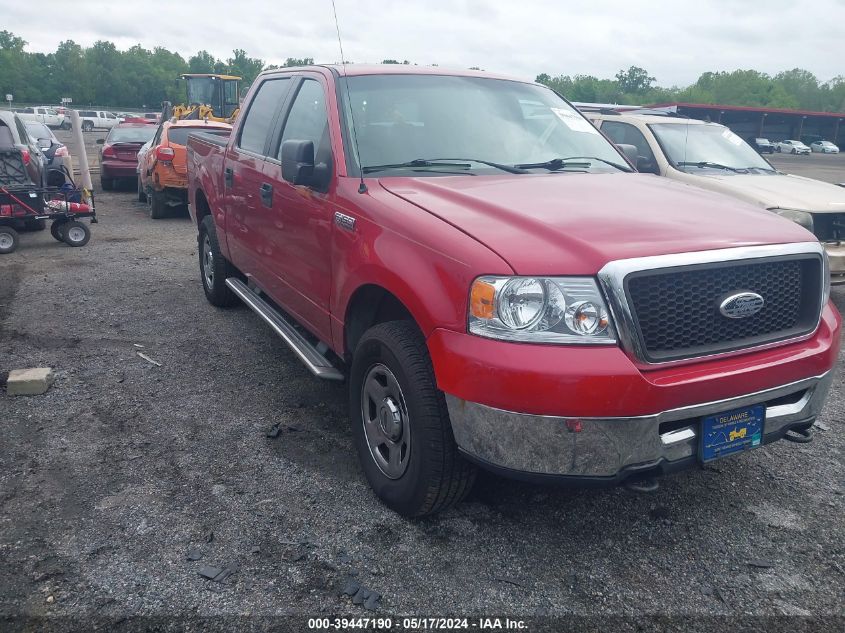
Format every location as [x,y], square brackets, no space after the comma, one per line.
[727,433]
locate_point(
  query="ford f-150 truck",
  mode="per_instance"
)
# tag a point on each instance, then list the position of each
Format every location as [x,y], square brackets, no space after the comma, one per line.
[500,288]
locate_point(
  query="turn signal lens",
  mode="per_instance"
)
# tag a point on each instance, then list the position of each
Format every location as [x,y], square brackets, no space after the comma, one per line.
[481,299]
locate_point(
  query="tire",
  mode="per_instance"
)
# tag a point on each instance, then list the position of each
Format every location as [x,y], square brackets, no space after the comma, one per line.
[107,184]
[76,233]
[432,475]
[158,209]
[794,151]
[87,126]
[57,230]
[142,197]
[214,268]
[9,240]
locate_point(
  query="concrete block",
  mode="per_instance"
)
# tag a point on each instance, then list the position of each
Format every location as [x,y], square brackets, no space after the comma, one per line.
[29,382]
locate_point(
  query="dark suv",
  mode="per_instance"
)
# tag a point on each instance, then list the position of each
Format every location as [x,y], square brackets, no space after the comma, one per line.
[762,145]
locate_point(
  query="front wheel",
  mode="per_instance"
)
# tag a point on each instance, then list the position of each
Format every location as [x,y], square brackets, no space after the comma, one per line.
[214,268]
[401,425]
[87,126]
[794,151]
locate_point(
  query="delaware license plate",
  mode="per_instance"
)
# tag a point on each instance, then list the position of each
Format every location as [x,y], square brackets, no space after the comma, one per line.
[727,433]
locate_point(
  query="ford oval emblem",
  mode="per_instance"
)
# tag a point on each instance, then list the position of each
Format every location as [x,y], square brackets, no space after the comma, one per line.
[741,305]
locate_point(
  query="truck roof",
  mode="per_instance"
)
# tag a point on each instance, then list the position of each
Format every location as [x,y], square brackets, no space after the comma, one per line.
[353,70]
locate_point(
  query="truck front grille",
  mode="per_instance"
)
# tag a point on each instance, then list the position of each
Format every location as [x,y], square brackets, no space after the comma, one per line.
[676,315]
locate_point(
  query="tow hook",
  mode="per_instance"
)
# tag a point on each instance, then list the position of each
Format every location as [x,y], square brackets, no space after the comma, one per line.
[641,484]
[800,436]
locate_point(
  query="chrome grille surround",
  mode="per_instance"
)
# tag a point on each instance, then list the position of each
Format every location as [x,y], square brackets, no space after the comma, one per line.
[613,275]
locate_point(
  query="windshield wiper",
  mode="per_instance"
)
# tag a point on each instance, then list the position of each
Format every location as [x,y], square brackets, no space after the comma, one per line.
[707,163]
[560,163]
[442,162]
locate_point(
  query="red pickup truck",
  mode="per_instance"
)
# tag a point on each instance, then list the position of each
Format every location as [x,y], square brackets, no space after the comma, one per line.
[500,289]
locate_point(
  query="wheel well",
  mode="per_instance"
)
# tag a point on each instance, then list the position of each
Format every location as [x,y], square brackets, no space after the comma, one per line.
[369,306]
[201,206]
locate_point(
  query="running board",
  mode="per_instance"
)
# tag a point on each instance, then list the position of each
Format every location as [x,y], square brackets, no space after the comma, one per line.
[319,365]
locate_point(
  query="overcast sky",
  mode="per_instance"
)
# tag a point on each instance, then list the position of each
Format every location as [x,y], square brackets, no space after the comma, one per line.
[675,41]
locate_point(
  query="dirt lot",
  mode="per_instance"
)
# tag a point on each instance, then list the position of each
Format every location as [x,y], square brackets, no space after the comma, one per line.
[826,167]
[124,469]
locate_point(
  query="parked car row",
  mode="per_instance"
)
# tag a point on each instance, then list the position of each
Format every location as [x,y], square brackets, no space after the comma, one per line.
[765,146]
[152,154]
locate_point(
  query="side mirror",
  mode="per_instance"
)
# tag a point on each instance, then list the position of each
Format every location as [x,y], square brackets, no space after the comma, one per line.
[298,162]
[630,152]
[100,141]
[647,166]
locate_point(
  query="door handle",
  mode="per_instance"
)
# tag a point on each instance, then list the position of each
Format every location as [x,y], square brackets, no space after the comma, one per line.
[228,176]
[267,194]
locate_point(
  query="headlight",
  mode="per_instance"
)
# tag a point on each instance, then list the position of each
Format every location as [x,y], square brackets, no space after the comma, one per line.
[799,217]
[540,310]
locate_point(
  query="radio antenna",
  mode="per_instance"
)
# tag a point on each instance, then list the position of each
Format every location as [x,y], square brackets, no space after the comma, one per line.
[362,188]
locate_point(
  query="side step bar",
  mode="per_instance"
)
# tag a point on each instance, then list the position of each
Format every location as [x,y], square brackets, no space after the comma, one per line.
[319,365]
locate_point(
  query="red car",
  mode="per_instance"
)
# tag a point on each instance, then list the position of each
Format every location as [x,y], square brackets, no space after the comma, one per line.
[119,151]
[498,286]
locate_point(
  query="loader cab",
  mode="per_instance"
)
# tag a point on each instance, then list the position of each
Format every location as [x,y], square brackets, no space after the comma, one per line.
[220,92]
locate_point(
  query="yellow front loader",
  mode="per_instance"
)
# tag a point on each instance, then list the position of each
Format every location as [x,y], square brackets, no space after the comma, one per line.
[210,96]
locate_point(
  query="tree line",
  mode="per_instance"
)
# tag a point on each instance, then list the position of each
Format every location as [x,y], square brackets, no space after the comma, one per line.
[102,74]
[795,89]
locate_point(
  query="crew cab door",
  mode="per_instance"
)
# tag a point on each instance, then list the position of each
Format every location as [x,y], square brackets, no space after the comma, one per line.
[248,222]
[302,215]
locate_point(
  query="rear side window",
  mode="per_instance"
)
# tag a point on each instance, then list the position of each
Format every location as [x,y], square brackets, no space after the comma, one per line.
[262,110]
[179,135]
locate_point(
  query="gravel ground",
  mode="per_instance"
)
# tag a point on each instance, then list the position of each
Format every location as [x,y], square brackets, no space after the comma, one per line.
[125,468]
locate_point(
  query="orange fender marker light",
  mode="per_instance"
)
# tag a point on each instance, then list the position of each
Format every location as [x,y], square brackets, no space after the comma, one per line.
[481,299]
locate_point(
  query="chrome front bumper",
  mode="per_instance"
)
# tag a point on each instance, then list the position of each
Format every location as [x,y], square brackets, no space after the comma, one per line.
[611,449]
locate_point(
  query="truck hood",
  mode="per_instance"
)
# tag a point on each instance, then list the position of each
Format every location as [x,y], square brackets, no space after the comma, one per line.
[575,223]
[784,191]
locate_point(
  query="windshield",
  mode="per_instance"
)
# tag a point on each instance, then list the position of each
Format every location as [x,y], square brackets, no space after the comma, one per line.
[201,90]
[139,134]
[705,143]
[400,118]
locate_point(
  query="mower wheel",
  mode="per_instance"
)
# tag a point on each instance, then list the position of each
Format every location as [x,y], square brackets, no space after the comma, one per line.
[8,239]
[57,230]
[76,233]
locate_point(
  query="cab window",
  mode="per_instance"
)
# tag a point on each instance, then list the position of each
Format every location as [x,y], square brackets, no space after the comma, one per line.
[627,134]
[257,125]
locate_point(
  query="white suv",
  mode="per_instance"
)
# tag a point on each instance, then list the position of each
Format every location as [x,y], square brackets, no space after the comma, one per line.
[42,114]
[97,120]
[711,156]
